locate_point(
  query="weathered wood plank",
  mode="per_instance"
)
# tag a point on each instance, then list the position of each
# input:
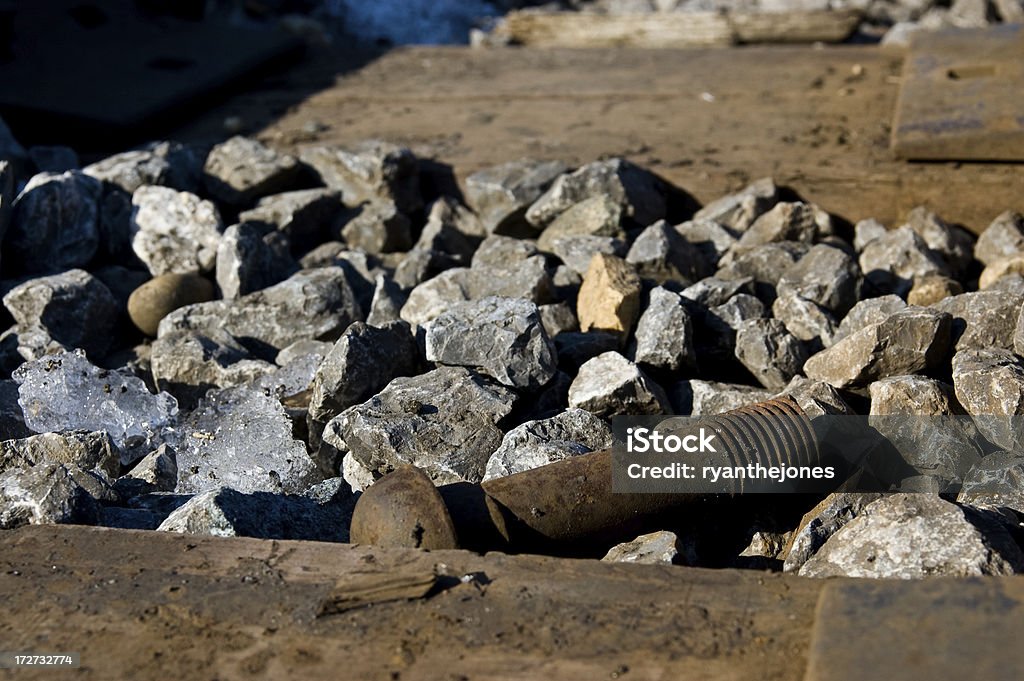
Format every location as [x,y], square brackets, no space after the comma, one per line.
[905,631]
[960,98]
[831,26]
[816,119]
[152,605]
[576,29]
[675,29]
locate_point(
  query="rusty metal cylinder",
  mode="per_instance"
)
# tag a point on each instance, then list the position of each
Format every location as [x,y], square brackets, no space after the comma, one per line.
[570,502]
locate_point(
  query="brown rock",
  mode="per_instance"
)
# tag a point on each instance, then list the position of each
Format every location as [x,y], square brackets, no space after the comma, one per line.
[1004,238]
[932,288]
[998,269]
[983,319]
[912,340]
[609,299]
[161,295]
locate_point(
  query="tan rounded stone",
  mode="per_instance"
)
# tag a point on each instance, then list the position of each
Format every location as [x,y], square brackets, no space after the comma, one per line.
[162,295]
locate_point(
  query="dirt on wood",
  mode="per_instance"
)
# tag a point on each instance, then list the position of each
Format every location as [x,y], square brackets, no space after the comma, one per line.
[149,605]
[818,119]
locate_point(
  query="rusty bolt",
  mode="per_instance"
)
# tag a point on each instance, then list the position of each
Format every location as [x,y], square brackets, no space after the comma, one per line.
[569,502]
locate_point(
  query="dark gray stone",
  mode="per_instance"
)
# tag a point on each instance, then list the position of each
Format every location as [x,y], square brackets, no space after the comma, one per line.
[610,385]
[240,170]
[527,279]
[922,420]
[1004,238]
[712,291]
[990,386]
[310,305]
[174,232]
[322,513]
[167,164]
[892,261]
[305,216]
[983,319]
[444,421]
[419,265]
[360,364]
[577,251]
[300,349]
[711,239]
[918,395]
[55,225]
[952,245]
[575,348]
[451,229]
[539,443]
[369,171]
[716,333]
[74,308]
[868,312]
[826,276]
[250,257]
[656,548]
[501,194]
[43,495]
[823,521]
[361,270]
[503,251]
[870,354]
[662,254]
[800,222]
[910,536]
[377,228]
[187,363]
[85,449]
[503,337]
[708,398]
[387,301]
[639,193]
[664,333]
[805,319]
[769,352]
[599,215]
[558,318]
[765,265]
[997,480]
[738,211]
[816,398]
[155,472]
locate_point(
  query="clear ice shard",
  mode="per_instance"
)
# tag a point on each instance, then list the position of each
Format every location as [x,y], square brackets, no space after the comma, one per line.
[241,438]
[64,391]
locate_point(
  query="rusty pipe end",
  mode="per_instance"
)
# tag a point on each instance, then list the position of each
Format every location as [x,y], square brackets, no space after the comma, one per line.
[403,509]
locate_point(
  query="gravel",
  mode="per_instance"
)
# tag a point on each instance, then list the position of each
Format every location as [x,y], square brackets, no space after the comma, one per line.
[231,342]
